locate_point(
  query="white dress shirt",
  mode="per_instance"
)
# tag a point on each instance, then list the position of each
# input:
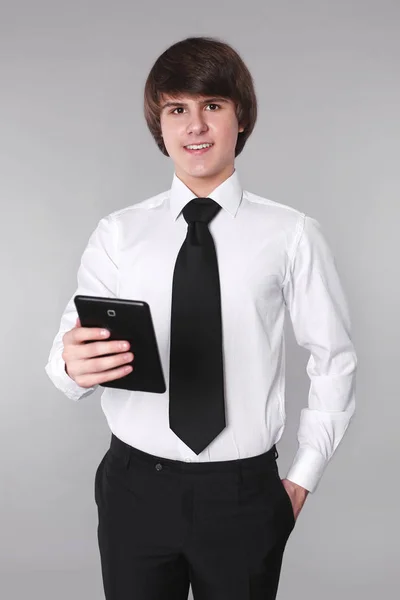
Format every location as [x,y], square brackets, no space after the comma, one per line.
[270,256]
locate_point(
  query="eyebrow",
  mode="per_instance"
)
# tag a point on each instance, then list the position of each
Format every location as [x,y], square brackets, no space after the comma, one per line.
[207,101]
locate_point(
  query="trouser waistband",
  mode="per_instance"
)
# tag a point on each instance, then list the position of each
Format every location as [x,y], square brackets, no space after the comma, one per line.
[127,452]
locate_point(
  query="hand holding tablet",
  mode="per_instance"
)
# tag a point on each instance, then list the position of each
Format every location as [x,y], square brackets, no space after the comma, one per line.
[93,364]
[128,320]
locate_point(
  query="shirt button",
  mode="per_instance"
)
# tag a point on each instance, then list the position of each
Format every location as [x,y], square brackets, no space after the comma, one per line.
[187,459]
[158,466]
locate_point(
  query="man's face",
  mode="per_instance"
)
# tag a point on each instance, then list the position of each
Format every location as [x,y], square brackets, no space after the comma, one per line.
[191,120]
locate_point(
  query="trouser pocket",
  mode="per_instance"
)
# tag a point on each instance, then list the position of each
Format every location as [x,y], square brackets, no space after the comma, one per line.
[288,504]
[98,478]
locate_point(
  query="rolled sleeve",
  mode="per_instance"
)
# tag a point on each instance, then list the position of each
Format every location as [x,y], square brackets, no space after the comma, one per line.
[97,276]
[320,316]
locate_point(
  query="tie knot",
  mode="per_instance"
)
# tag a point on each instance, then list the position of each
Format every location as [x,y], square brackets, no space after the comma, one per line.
[200,209]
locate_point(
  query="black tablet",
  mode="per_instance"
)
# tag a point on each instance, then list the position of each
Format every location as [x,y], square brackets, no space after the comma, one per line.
[127,320]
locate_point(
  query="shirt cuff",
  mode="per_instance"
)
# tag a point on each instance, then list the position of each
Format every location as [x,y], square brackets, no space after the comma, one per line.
[307,468]
[57,373]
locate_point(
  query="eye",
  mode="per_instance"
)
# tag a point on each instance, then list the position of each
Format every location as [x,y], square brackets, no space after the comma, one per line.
[173,111]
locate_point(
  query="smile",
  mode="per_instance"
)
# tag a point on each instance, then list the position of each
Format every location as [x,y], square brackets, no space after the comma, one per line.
[198,148]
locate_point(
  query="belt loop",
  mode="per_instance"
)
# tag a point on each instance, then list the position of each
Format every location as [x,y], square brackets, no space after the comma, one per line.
[276,452]
[240,472]
[127,458]
[120,449]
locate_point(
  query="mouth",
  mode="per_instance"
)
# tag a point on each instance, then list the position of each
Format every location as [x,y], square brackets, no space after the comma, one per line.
[197,151]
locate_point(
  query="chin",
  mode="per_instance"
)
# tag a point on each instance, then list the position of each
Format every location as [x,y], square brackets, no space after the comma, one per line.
[203,172]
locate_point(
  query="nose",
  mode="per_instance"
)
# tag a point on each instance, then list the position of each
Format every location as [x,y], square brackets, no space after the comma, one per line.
[197,123]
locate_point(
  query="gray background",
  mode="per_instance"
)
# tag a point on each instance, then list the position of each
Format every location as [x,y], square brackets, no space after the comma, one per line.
[74,147]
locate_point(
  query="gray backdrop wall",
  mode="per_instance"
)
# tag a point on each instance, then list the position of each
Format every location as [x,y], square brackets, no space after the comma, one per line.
[74,147]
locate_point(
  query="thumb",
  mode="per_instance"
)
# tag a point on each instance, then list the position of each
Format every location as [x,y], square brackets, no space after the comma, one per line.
[78,323]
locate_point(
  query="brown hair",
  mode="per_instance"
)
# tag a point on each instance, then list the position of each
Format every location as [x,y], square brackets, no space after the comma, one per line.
[201,66]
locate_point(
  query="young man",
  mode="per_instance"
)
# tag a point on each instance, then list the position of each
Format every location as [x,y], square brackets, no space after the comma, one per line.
[189,490]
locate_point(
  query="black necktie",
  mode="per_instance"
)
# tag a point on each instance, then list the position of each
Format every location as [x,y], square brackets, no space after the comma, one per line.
[196,383]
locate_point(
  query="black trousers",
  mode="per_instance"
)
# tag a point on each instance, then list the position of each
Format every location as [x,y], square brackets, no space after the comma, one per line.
[165,524]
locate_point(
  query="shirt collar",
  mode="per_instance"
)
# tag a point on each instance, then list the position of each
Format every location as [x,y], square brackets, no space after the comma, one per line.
[228,195]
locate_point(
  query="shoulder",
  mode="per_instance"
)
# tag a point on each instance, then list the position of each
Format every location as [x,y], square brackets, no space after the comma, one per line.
[145,204]
[293,223]
[284,215]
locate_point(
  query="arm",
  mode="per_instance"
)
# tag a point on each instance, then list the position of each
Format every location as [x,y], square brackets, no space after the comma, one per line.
[321,322]
[97,276]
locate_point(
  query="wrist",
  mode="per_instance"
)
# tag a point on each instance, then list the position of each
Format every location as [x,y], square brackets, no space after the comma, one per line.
[298,489]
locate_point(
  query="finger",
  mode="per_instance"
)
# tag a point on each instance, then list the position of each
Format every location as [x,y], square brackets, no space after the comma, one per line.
[100,364]
[103,376]
[97,349]
[84,335]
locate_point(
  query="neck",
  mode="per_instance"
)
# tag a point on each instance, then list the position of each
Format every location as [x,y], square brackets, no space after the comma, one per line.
[202,187]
